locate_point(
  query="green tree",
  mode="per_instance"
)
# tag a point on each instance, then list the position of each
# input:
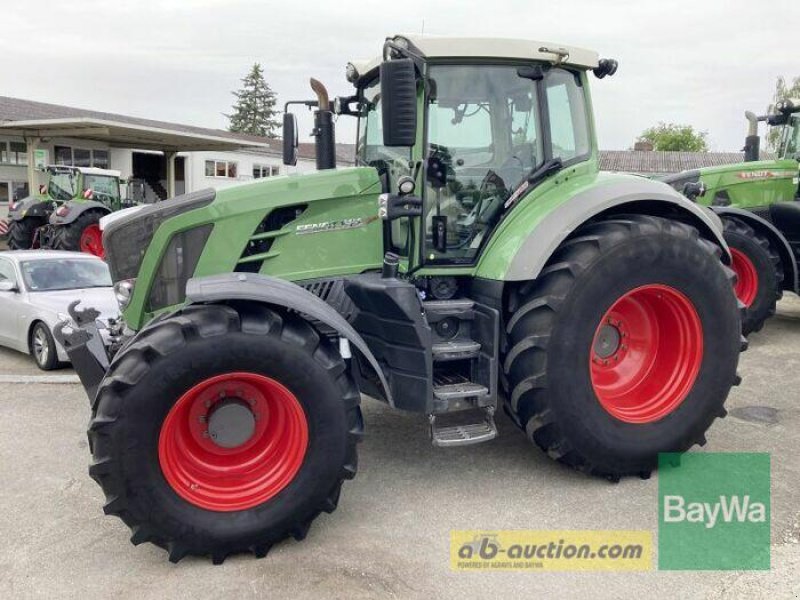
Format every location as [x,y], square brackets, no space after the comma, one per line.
[783,90]
[254,111]
[675,138]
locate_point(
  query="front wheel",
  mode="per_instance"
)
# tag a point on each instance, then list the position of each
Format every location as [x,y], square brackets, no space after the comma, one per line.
[22,233]
[43,347]
[626,346]
[223,429]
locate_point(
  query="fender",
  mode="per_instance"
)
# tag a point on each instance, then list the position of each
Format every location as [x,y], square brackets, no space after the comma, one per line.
[75,210]
[31,206]
[604,193]
[278,292]
[781,244]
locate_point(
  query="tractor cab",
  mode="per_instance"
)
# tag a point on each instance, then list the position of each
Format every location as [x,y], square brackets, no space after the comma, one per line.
[80,183]
[457,141]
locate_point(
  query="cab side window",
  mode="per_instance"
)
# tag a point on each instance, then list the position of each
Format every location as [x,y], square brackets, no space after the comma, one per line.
[566,105]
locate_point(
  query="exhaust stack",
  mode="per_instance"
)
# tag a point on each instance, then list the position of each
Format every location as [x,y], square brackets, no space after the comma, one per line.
[324,129]
[752,143]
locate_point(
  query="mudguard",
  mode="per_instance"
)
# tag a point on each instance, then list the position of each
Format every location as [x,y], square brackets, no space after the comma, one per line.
[644,196]
[779,241]
[32,206]
[278,292]
[75,210]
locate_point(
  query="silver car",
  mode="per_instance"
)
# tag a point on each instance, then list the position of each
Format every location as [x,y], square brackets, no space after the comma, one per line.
[37,286]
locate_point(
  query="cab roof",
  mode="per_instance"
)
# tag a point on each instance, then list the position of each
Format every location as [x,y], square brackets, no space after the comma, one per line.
[499,48]
[86,170]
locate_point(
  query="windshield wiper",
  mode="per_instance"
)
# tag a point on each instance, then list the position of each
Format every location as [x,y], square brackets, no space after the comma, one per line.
[554,165]
[534,177]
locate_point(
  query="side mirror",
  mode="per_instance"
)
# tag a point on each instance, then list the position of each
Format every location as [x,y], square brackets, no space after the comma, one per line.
[289,139]
[399,102]
[8,286]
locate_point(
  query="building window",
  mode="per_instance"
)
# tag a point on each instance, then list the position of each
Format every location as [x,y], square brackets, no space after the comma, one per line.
[81,157]
[260,171]
[63,155]
[221,168]
[100,159]
[13,153]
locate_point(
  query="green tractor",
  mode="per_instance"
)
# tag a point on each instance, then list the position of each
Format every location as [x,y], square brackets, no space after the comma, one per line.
[67,212]
[759,204]
[474,258]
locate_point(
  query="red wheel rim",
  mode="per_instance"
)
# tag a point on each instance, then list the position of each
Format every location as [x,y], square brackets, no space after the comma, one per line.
[226,479]
[92,240]
[746,287]
[646,354]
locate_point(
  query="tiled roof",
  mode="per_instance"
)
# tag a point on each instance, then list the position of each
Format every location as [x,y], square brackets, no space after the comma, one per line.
[633,161]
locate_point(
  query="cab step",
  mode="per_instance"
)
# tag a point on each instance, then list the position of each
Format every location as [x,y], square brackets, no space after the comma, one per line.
[455,350]
[450,387]
[463,428]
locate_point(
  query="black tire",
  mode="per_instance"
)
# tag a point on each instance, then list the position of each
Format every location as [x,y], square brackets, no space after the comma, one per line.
[43,347]
[68,237]
[551,325]
[169,357]
[765,260]
[22,232]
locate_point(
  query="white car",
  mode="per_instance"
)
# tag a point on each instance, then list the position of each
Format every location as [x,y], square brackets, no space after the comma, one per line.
[37,286]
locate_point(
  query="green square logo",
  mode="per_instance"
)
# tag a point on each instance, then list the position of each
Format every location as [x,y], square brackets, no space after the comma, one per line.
[714,511]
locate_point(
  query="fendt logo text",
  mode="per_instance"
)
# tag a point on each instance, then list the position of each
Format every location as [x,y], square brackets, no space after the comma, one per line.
[729,509]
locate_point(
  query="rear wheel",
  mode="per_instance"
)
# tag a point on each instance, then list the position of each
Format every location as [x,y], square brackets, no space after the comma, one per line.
[21,233]
[224,429]
[759,273]
[626,346]
[82,235]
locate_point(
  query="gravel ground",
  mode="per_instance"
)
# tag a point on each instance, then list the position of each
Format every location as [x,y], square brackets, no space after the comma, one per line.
[390,536]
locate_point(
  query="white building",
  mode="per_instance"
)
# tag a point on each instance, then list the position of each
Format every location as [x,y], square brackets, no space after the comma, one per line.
[35,133]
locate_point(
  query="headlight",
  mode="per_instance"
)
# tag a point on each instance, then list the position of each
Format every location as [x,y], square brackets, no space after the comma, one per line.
[123,290]
[126,240]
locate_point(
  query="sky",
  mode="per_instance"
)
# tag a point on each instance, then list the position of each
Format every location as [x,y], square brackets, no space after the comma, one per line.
[700,62]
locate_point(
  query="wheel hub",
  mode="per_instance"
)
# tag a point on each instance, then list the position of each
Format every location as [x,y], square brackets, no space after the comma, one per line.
[231,423]
[607,341]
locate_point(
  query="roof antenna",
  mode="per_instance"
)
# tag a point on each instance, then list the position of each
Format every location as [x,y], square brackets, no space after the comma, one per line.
[422,31]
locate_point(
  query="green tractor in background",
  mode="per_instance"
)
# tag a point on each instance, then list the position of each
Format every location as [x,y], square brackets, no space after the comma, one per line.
[475,258]
[66,213]
[759,204]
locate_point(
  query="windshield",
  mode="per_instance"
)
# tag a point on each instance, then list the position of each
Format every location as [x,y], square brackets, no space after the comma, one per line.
[791,142]
[64,274]
[62,185]
[104,188]
[389,162]
[371,150]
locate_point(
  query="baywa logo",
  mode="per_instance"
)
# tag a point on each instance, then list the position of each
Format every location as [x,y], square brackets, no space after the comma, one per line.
[729,509]
[714,511]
